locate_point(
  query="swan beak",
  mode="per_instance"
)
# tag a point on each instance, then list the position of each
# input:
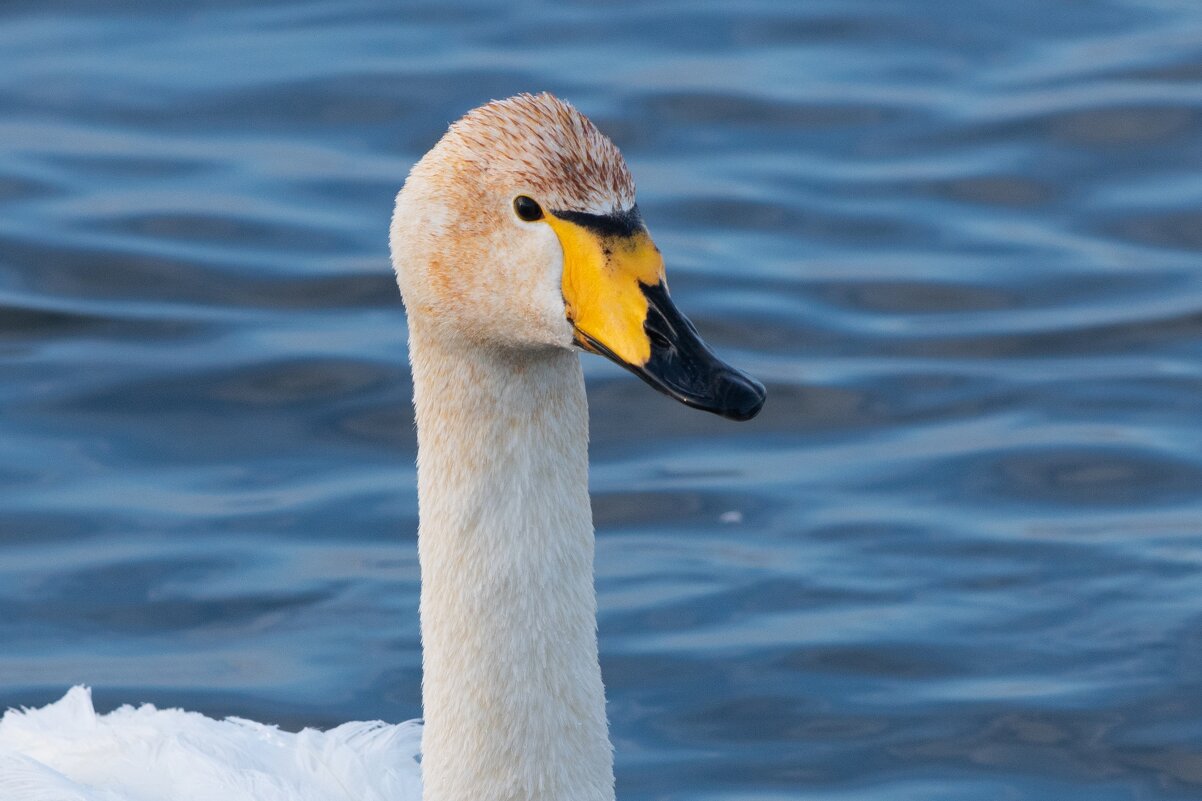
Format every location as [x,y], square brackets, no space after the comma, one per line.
[617,300]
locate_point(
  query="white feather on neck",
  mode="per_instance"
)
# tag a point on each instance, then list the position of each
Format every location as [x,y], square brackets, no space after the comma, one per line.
[513,701]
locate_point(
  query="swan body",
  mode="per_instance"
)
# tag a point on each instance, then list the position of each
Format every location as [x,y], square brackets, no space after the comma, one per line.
[66,752]
[517,244]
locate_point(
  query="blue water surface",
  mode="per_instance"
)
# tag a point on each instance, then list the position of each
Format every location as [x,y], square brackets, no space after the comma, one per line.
[959,555]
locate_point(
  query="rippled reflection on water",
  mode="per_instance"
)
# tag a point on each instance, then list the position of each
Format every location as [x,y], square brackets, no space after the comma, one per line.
[959,556]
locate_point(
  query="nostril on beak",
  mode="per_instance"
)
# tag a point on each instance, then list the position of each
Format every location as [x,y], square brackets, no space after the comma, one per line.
[658,339]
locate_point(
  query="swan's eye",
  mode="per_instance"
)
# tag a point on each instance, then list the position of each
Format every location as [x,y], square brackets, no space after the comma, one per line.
[527,209]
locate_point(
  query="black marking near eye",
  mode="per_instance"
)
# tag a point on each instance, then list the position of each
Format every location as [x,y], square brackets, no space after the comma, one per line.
[527,209]
[623,224]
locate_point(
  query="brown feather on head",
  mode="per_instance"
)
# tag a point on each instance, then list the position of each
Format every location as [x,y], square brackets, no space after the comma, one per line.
[547,145]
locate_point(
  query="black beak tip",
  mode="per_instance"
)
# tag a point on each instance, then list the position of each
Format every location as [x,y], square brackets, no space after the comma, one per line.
[740,397]
[681,366]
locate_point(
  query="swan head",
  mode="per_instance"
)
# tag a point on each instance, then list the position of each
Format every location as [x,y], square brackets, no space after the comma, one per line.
[519,229]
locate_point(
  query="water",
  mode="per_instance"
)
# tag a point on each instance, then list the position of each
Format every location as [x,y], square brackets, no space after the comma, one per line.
[959,556]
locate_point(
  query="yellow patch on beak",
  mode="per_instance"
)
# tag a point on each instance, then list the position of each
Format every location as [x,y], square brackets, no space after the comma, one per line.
[603,277]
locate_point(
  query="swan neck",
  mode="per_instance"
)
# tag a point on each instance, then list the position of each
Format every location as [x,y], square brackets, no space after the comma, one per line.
[513,702]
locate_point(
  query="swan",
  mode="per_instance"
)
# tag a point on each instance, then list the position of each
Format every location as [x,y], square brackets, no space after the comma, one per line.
[517,244]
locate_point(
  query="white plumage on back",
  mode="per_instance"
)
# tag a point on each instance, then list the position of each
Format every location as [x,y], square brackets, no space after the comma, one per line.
[66,752]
